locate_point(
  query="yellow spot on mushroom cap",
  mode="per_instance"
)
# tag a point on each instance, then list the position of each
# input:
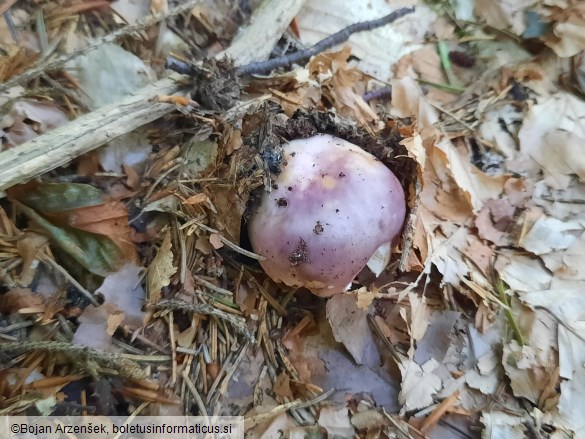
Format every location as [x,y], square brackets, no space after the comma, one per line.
[328,182]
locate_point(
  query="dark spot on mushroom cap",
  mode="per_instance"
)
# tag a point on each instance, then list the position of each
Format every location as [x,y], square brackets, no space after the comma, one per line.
[290,188]
[281,202]
[300,254]
[318,228]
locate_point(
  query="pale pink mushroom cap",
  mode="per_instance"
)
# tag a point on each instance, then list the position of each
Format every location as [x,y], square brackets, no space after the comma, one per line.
[334,206]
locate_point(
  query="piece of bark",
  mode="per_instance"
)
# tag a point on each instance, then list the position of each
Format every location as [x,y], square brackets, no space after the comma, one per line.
[268,23]
[61,145]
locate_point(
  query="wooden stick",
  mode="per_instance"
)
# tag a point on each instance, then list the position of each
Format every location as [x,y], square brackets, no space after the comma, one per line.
[266,27]
[63,144]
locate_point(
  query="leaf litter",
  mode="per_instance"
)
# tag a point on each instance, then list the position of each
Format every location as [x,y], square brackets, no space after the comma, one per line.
[142,261]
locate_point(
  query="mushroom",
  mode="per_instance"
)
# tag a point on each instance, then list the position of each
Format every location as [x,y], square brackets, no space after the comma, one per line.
[332,207]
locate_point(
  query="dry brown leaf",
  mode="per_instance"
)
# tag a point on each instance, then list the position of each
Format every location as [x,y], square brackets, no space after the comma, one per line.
[215,240]
[14,300]
[28,248]
[282,386]
[230,208]
[161,269]
[197,199]
[339,83]
[109,219]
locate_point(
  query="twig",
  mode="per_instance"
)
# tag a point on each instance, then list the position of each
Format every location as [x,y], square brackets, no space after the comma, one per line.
[92,357]
[72,280]
[409,229]
[195,393]
[47,65]
[230,244]
[86,133]
[213,287]
[380,93]
[202,308]
[293,405]
[331,41]
[266,26]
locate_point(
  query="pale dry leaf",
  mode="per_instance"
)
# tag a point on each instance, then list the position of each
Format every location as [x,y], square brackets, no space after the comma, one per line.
[368,420]
[161,269]
[185,338]
[336,421]
[131,10]
[521,272]
[27,119]
[504,13]
[572,402]
[123,289]
[476,184]
[568,36]
[415,148]
[549,235]
[491,132]
[487,377]
[350,327]
[215,240]
[109,73]
[446,253]
[331,367]
[408,101]
[130,149]
[424,63]
[380,259]
[501,425]
[93,328]
[199,156]
[437,338]
[419,384]
[419,316]
[551,138]
[525,370]
[571,352]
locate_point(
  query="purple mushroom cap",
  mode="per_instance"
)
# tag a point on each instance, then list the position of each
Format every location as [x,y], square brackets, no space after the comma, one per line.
[335,204]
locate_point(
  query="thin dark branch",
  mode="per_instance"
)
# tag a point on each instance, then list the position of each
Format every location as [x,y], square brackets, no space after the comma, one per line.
[331,41]
[381,93]
[179,66]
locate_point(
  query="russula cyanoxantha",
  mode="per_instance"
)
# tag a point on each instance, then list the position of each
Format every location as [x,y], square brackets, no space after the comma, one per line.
[334,205]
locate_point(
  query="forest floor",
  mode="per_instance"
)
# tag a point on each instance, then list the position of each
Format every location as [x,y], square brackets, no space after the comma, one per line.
[136,134]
